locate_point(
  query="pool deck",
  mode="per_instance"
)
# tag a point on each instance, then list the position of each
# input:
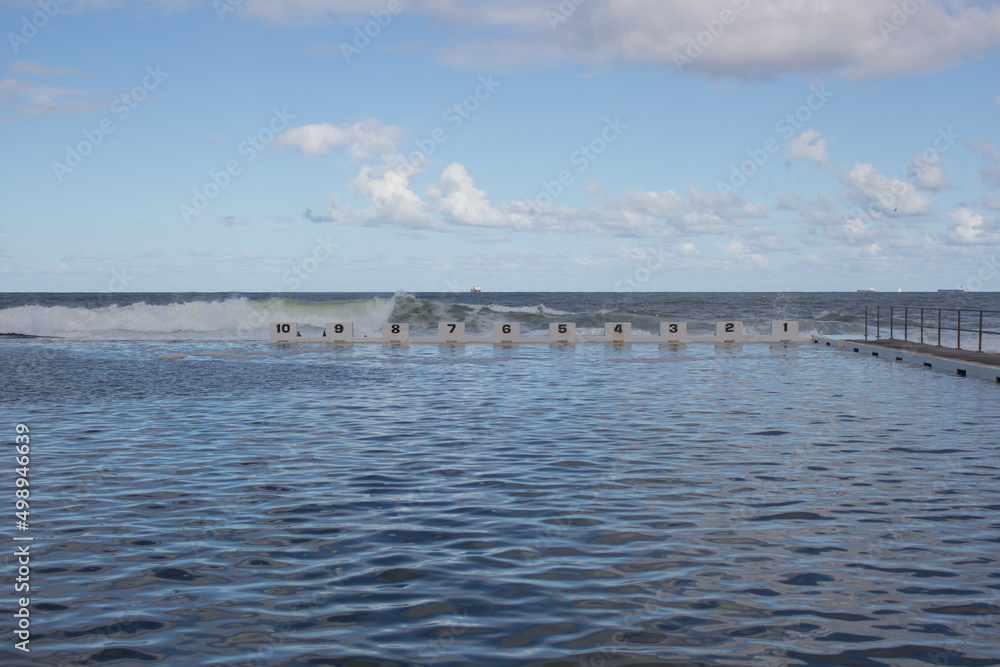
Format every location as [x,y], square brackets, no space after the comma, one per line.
[963,363]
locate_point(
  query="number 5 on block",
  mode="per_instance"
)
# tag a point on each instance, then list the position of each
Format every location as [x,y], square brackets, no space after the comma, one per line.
[562,332]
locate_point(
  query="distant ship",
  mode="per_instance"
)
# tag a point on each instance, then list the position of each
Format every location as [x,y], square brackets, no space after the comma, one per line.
[476,290]
[953,291]
[862,291]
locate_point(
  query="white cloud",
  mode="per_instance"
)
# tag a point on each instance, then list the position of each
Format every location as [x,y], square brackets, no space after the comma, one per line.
[21,100]
[387,188]
[232,221]
[808,145]
[457,197]
[740,252]
[823,211]
[454,202]
[759,38]
[363,140]
[969,227]
[873,190]
[928,171]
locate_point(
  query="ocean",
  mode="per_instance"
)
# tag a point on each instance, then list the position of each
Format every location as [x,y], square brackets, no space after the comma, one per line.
[199,496]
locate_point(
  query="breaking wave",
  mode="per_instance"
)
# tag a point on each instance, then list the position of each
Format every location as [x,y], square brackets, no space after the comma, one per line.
[247,318]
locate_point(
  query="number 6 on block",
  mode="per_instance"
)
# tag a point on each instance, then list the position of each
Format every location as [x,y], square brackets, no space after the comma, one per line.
[506,332]
[284,332]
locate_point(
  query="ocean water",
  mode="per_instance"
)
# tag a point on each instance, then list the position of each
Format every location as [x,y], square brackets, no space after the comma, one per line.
[202,497]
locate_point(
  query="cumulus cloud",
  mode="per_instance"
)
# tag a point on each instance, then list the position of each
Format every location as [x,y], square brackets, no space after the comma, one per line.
[809,146]
[391,200]
[456,196]
[928,172]
[873,190]
[454,202]
[362,140]
[969,227]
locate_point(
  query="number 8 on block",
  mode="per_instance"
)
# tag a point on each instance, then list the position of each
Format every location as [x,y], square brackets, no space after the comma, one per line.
[395,333]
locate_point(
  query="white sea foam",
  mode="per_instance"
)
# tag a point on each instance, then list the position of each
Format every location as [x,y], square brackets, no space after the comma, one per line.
[231,319]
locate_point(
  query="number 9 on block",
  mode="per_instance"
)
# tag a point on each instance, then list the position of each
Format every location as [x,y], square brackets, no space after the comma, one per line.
[338,332]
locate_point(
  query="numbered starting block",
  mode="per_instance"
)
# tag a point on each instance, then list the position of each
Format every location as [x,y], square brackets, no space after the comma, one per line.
[395,334]
[339,332]
[509,333]
[506,333]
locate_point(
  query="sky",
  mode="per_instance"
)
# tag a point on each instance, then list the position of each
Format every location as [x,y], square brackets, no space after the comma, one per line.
[433,145]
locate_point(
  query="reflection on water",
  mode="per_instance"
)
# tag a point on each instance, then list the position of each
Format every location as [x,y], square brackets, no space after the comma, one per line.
[249,505]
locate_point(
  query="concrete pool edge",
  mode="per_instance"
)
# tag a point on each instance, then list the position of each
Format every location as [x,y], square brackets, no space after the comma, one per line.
[955,362]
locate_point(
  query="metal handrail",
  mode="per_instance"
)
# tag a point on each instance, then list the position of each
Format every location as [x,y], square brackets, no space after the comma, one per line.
[941,327]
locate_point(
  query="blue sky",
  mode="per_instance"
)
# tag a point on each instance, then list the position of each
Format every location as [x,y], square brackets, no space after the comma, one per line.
[252,145]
